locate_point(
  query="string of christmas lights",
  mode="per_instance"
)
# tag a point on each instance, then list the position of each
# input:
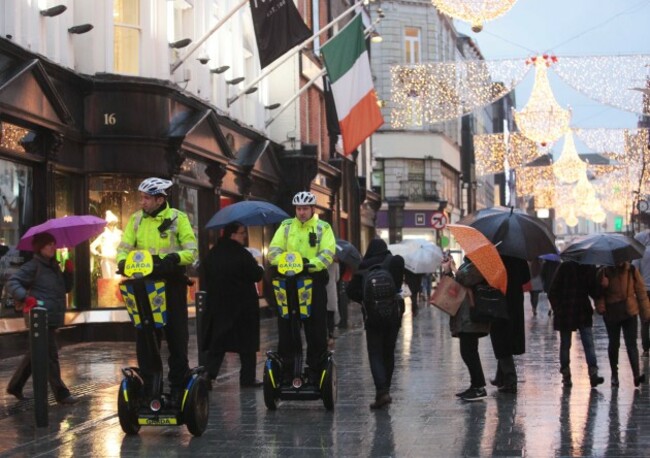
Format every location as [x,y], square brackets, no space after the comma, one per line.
[476,12]
[610,80]
[429,93]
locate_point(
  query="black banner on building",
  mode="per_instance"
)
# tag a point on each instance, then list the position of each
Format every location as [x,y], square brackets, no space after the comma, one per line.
[278,28]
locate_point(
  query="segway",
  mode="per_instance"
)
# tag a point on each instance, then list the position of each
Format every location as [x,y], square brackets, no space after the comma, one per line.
[293,293]
[144,296]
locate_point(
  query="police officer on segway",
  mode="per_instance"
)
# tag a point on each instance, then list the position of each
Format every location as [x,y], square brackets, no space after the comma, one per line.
[315,241]
[167,234]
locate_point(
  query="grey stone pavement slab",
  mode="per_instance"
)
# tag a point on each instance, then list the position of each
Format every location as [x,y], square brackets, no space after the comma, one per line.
[424,420]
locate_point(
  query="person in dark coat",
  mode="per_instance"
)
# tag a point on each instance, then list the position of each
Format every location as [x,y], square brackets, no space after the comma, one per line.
[380,337]
[549,267]
[40,280]
[414,282]
[232,303]
[508,336]
[467,331]
[569,297]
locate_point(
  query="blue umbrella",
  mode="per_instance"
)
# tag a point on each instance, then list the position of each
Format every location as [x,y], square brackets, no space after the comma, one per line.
[248,213]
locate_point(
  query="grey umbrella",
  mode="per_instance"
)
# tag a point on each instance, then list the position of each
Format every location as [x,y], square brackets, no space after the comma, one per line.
[603,249]
[348,253]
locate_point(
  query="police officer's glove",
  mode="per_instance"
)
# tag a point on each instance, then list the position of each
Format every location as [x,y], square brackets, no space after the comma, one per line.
[168,263]
[120,267]
[305,267]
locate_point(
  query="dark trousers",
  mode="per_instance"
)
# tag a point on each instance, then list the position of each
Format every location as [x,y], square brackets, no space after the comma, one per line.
[471,358]
[176,334]
[534,298]
[629,327]
[380,340]
[247,360]
[645,332]
[315,330]
[506,371]
[343,303]
[24,370]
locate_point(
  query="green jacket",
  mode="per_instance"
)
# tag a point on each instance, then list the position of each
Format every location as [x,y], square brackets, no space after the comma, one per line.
[292,235]
[142,232]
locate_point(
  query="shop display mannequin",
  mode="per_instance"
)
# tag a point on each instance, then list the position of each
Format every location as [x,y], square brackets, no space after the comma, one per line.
[105,246]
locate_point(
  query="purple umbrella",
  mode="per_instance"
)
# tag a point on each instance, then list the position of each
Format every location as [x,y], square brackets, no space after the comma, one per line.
[68,231]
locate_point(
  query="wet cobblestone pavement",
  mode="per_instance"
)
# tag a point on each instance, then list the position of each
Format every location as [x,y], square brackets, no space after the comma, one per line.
[424,420]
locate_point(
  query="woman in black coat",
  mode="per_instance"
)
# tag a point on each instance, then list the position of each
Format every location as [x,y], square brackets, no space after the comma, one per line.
[508,336]
[233,312]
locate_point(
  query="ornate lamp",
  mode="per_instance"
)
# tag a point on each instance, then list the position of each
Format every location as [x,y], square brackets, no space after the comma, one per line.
[476,12]
[542,120]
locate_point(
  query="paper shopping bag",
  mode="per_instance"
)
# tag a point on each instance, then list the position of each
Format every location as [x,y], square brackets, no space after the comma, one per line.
[448,295]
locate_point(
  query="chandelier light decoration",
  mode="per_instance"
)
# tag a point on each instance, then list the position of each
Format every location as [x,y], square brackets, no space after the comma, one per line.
[615,190]
[617,81]
[542,120]
[569,167]
[428,93]
[476,12]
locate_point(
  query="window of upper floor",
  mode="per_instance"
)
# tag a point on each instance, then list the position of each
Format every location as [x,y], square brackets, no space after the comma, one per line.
[126,38]
[412,54]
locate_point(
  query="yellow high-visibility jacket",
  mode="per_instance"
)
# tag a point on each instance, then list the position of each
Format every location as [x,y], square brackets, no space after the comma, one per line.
[292,235]
[142,233]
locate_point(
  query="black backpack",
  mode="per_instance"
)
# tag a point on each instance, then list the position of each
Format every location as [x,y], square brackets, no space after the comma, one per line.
[379,292]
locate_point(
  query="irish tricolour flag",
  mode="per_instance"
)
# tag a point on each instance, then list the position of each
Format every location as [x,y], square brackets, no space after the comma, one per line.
[348,68]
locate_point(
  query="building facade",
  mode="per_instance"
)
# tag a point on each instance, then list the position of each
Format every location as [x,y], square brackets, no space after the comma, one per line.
[96,96]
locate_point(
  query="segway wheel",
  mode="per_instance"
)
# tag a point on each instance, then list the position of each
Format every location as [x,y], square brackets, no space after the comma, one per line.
[271,398]
[197,407]
[328,390]
[127,410]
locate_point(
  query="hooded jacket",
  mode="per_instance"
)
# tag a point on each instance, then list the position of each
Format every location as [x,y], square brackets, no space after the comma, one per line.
[375,254]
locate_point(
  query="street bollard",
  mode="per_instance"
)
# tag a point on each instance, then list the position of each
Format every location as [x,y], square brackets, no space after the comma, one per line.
[39,353]
[199,303]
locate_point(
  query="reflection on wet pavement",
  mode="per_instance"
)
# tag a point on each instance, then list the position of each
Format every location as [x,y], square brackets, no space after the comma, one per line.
[425,419]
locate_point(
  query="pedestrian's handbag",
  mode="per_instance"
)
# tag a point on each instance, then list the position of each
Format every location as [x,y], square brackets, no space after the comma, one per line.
[489,304]
[448,295]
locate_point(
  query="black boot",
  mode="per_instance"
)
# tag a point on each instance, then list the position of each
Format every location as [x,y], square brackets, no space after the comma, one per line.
[566,376]
[594,378]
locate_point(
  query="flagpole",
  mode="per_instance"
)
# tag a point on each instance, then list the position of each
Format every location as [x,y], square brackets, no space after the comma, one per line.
[286,104]
[291,53]
[195,46]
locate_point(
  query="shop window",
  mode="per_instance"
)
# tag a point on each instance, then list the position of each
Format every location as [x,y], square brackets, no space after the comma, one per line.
[16,210]
[115,199]
[188,203]
[64,206]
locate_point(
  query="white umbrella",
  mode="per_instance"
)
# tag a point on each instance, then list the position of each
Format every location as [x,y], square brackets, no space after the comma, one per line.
[420,256]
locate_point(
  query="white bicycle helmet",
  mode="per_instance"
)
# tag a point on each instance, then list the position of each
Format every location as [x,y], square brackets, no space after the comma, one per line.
[304,198]
[155,186]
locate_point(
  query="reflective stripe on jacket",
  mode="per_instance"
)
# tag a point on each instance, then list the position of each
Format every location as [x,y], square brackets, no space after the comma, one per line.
[292,235]
[142,232]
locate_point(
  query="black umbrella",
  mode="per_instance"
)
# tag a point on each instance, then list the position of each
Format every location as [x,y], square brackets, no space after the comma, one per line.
[514,232]
[348,253]
[603,249]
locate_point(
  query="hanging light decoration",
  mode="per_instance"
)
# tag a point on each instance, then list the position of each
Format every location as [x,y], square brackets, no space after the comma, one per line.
[599,216]
[583,190]
[569,167]
[617,81]
[489,154]
[428,93]
[528,179]
[571,220]
[476,12]
[542,120]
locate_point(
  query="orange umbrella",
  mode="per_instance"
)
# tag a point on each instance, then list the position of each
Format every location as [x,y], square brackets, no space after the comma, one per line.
[483,255]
